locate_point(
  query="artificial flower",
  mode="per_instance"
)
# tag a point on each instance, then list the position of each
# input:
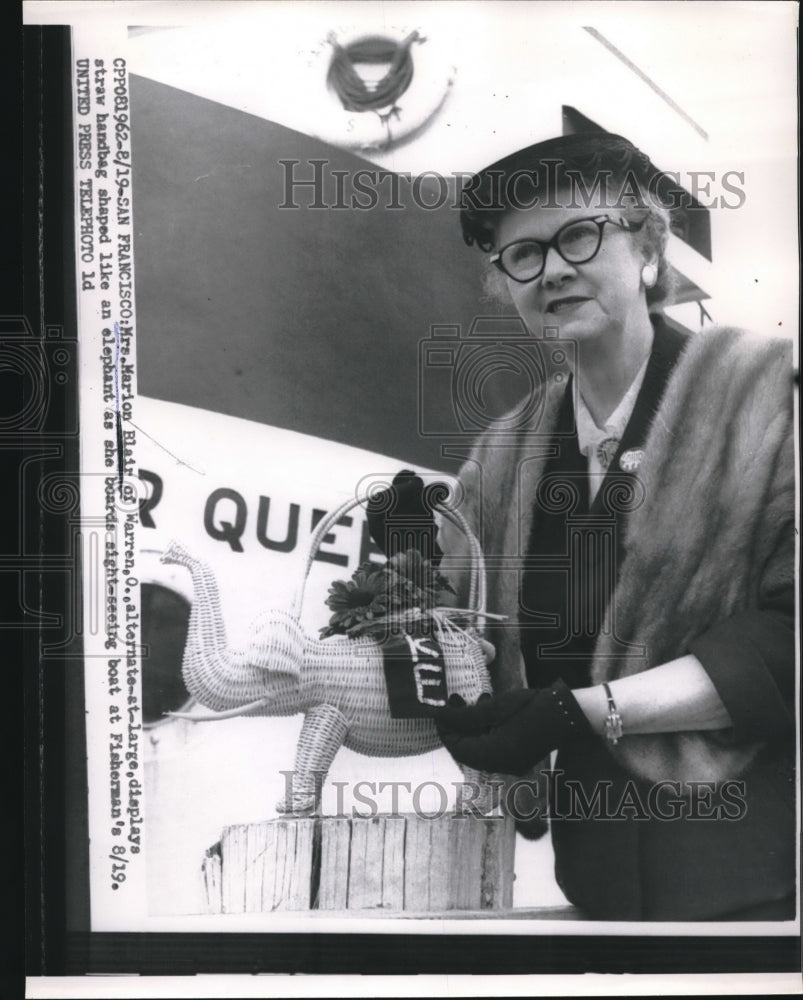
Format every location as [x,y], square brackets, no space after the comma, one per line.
[362,598]
[382,599]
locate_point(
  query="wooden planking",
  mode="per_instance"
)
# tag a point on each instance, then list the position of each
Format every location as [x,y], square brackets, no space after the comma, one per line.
[440,874]
[302,834]
[333,882]
[365,869]
[416,865]
[391,863]
[497,864]
[308,831]
[467,859]
[233,868]
[256,861]
[376,863]
[283,858]
[211,874]
[266,873]
[266,866]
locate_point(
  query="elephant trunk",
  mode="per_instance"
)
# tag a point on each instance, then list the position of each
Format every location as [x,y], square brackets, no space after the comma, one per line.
[222,678]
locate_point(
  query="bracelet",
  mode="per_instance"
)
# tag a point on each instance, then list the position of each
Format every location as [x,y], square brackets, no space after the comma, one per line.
[613,721]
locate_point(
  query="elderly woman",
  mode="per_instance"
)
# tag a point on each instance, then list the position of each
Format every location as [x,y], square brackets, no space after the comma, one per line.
[641,530]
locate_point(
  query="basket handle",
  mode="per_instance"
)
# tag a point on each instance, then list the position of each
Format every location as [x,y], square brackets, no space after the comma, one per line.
[477,588]
[477,594]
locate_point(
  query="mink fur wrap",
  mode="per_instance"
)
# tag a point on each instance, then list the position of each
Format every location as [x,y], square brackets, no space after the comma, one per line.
[712,536]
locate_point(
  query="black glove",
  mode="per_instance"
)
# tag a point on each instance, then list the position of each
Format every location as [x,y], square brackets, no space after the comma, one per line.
[405,510]
[509,733]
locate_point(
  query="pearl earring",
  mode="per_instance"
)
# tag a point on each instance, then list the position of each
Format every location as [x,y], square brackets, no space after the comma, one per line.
[649,275]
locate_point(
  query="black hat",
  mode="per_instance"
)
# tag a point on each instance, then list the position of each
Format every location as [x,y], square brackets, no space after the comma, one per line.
[543,168]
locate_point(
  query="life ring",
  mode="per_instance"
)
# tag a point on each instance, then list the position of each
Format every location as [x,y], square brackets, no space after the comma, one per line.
[412,91]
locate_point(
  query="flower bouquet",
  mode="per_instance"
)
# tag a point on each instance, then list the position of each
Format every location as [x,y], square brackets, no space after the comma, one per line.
[396,604]
[379,599]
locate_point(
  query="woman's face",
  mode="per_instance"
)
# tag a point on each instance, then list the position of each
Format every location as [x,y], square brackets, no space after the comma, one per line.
[583,301]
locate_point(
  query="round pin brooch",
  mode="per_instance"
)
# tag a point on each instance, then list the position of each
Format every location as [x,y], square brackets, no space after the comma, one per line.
[606,450]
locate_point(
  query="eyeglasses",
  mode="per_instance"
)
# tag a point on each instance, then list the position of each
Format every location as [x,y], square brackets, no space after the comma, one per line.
[577,242]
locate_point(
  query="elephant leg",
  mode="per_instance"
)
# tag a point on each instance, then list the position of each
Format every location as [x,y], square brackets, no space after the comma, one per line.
[322,735]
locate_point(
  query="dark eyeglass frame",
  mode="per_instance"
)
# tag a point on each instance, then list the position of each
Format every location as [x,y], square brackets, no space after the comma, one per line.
[546,245]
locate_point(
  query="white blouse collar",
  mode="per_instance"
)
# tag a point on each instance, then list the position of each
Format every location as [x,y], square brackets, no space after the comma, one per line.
[589,435]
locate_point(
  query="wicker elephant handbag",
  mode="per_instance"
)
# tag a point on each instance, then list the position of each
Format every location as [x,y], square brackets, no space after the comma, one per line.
[338,683]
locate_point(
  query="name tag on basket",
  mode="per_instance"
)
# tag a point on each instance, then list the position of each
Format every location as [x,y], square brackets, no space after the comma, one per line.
[415,675]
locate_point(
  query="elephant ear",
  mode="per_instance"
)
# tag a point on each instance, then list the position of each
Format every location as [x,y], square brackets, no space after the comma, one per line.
[276,643]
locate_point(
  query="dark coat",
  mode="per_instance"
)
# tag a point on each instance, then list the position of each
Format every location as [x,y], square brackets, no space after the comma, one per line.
[702,538]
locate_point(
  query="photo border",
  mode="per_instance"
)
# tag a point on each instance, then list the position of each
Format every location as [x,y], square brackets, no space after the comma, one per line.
[57,937]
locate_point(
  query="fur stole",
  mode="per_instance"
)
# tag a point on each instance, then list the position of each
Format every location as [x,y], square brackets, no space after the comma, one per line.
[714,531]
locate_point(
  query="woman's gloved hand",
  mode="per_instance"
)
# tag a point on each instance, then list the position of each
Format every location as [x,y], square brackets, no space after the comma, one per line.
[401,513]
[510,733]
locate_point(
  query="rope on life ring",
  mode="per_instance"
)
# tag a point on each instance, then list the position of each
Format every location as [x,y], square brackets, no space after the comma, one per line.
[354,93]
[365,115]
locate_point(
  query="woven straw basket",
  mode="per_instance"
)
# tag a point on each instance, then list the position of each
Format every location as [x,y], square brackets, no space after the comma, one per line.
[283,670]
